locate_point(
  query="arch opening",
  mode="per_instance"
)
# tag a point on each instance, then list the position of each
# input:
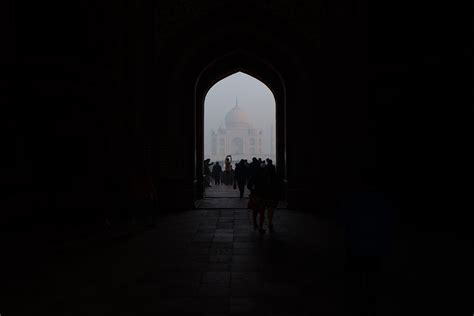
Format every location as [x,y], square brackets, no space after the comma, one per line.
[239,121]
[242,146]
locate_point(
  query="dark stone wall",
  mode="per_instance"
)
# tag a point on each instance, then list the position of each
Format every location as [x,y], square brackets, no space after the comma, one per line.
[99,103]
[78,89]
[100,96]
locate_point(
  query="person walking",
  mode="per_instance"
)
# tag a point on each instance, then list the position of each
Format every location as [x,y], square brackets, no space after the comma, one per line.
[240,177]
[227,169]
[252,168]
[207,172]
[256,203]
[216,173]
[271,192]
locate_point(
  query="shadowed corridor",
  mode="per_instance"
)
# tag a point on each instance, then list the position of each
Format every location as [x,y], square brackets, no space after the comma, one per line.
[103,209]
[211,262]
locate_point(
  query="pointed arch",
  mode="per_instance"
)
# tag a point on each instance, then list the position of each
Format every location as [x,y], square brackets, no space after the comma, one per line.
[255,141]
[222,67]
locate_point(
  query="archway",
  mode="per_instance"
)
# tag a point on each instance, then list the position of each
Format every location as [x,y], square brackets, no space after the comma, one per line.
[257,68]
[239,120]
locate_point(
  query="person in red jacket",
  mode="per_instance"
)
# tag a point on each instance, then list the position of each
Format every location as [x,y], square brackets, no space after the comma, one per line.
[256,202]
[271,191]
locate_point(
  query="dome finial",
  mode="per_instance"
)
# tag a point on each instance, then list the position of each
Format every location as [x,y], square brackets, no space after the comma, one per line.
[236,102]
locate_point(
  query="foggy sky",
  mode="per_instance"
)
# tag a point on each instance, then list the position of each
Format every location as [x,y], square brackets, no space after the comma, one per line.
[254,97]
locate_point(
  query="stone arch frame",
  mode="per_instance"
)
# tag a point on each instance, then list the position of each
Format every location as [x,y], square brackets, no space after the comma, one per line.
[252,65]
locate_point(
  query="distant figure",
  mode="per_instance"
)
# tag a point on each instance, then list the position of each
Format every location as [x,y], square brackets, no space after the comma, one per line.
[216,173]
[240,177]
[252,168]
[227,169]
[231,175]
[207,172]
[246,166]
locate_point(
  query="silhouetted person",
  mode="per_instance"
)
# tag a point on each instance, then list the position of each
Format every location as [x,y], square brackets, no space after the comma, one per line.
[227,169]
[271,192]
[216,173]
[252,168]
[207,172]
[256,203]
[247,167]
[232,171]
[240,177]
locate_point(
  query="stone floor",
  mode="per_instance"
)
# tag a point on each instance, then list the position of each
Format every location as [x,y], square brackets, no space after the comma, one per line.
[224,191]
[222,203]
[225,197]
[205,262]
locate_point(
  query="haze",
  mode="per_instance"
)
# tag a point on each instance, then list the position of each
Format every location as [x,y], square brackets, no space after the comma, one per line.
[253,96]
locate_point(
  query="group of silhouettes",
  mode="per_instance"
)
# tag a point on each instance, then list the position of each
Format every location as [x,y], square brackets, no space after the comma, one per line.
[225,176]
[260,178]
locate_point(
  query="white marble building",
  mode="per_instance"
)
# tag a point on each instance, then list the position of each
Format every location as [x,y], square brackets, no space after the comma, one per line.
[238,138]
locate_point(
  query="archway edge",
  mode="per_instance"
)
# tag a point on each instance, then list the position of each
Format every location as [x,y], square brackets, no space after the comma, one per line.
[257,67]
[240,61]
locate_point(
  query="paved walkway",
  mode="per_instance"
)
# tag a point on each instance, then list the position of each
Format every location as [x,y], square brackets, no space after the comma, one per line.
[224,191]
[225,197]
[200,262]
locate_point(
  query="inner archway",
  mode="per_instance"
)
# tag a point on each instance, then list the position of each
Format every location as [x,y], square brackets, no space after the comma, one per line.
[239,123]
[241,64]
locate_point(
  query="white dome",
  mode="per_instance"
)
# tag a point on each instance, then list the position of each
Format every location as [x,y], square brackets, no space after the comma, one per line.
[237,119]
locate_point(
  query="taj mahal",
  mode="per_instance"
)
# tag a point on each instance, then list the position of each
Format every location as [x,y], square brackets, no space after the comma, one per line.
[238,138]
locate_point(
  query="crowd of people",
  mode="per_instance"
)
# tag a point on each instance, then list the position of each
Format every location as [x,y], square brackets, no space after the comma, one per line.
[259,177]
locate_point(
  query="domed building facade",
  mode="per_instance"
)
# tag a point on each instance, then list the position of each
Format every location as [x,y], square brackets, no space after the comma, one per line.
[237,138]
